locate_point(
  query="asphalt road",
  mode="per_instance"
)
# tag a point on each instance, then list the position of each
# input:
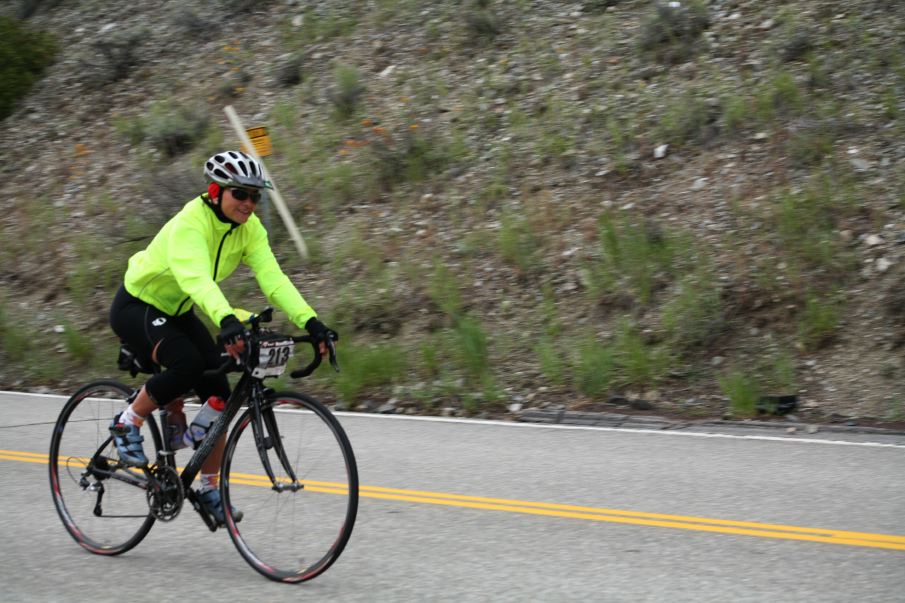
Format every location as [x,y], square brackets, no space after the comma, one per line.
[477,511]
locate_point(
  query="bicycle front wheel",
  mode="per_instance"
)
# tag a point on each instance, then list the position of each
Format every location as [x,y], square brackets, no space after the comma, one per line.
[103,503]
[295,529]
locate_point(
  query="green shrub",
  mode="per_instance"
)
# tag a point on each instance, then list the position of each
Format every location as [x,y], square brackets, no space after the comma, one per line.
[518,245]
[799,43]
[78,345]
[13,336]
[170,129]
[412,156]
[473,348]
[371,303]
[743,392]
[818,322]
[289,73]
[443,289]
[695,316]
[366,367]
[809,146]
[806,222]
[638,363]
[640,255]
[347,92]
[115,55]
[890,103]
[672,32]
[779,96]
[29,8]
[237,7]
[552,363]
[598,6]
[684,120]
[482,25]
[593,368]
[781,373]
[320,25]
[431,358]
[24,55]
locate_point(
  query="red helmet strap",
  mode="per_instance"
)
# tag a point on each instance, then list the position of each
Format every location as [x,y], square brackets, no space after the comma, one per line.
[214,191]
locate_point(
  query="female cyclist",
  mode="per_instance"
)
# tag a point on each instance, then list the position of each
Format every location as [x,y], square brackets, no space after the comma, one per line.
[154,312]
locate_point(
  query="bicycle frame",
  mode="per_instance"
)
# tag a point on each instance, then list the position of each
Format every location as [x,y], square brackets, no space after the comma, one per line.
[264,427]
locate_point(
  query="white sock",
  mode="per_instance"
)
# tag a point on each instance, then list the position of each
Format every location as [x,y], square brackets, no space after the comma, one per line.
[210,481]
[129,417]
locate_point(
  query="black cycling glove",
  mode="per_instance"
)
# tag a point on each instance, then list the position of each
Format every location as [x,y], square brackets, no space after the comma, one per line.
[231,330]
[319,331]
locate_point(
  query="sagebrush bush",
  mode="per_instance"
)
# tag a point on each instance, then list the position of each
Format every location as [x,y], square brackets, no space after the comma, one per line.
[412,156]
[347,93]
[24,55]
[115,56]
[174,130]
[29,8]
[671,33]
[289,72]
[483,26]
[695,316]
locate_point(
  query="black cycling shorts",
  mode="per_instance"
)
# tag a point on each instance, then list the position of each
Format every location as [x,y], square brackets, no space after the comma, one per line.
[186,348]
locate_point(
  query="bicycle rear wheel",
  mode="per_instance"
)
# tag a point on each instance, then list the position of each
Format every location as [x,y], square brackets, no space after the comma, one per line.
[103,503]
[296,534]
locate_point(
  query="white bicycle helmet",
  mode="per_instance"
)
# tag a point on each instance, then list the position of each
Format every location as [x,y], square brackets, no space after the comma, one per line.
[235,168]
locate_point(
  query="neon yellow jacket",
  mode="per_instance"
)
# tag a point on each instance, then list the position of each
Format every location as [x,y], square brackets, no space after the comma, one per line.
[194,251]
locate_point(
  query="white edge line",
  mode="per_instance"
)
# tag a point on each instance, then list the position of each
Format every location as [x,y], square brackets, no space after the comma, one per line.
[481,422]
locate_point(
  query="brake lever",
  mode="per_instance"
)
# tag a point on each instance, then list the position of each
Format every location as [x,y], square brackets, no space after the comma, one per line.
[332,349]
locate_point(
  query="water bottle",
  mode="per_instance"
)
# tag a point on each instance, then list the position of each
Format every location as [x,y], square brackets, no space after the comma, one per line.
[176,425]
[203,421]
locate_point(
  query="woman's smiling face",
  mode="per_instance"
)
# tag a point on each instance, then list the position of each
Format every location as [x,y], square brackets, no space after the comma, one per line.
[239,203]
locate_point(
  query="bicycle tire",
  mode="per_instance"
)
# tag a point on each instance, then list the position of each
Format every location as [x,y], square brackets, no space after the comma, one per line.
[291,536]
[83,462]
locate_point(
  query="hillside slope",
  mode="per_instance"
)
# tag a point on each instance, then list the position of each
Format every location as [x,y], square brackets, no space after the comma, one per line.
[510,205]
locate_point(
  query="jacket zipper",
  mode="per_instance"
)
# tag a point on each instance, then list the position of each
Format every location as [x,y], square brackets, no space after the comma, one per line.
[220,249]
[216,264]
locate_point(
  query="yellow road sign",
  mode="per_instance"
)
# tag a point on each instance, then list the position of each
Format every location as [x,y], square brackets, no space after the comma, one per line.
[261,141]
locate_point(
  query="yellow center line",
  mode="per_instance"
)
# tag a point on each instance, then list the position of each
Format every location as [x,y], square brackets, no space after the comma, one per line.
[684,522]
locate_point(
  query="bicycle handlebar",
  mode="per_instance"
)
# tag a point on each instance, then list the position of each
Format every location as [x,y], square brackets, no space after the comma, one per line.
[331,349]
[266,316]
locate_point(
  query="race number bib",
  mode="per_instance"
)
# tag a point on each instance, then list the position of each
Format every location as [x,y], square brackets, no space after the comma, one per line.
[273,355]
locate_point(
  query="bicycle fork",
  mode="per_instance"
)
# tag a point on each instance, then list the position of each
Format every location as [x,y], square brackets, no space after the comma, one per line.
[267,436]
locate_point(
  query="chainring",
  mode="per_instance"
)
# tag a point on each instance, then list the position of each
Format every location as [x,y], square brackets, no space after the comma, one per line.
[165,492]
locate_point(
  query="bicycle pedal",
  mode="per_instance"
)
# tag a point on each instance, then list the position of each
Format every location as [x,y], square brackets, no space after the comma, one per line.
[206,517]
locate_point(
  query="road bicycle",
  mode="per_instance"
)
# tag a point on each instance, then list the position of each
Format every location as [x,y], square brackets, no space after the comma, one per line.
[297,515]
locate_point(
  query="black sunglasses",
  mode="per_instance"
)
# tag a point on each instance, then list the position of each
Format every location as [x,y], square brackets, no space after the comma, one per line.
[243,194]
